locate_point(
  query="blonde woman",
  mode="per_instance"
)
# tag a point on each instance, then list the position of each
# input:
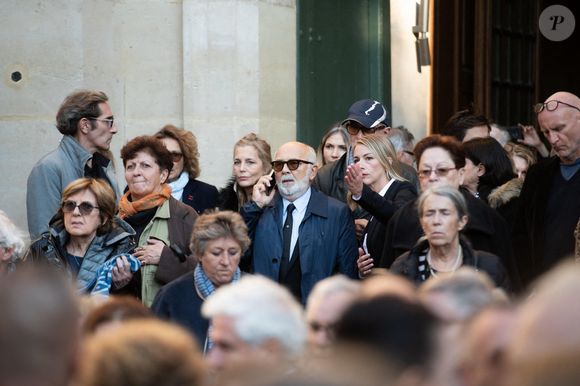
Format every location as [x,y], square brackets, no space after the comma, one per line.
[375,183]
[252,159]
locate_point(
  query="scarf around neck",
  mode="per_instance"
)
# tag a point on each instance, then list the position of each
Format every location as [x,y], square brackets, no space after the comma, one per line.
[178,185]
[129,208]
[204,286]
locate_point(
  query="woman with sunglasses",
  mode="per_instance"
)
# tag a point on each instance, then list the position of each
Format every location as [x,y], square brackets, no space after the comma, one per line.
[185,186]
[84,234]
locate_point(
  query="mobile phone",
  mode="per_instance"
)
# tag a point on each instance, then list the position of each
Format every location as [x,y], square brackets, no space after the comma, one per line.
[272,183]
[515,133]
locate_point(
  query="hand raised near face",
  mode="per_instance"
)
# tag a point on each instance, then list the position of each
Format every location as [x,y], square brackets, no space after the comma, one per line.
[261,194]
[353,179]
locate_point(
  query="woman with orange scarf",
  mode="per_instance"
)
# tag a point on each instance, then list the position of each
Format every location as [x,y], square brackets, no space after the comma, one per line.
[163,224]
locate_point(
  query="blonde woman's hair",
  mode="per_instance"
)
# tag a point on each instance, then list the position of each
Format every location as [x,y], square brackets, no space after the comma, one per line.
[521,151]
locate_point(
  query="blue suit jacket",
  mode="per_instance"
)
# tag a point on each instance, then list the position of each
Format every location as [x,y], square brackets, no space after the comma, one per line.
[326,239]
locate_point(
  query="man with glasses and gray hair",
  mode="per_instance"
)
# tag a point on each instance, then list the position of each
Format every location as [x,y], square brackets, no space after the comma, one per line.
[86,121]
[299,235]
[550,197]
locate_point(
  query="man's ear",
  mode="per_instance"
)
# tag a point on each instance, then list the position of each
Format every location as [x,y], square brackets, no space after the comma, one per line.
[84,126]
[314,172]
[272,347]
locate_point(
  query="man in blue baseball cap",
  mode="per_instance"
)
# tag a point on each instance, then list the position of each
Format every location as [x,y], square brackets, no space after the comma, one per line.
[366,116]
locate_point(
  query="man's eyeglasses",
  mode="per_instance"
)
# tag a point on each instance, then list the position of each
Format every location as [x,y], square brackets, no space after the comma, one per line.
[329,329]
[85,208]
[293,164]
[110,121]
[176,156]
[551,106]
[439,172]
[353,128]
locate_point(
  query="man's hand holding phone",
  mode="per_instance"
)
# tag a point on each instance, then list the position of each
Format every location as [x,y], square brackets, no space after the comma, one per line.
[264,190]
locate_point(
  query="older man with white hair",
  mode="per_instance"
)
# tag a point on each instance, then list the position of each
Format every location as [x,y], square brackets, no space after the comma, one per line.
[326,304]
[300,236]
[254,321]
[12,244]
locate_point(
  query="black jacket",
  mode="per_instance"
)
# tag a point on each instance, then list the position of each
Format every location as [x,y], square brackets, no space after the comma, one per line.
[199,195]
[228,198]
[529,231]
[382,209]
[407,264]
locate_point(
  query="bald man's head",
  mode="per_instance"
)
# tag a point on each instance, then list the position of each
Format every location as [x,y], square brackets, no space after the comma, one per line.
[294,182]
[559,120]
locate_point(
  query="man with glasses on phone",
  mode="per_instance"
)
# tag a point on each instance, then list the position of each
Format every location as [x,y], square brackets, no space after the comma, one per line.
[299,235]
[550,197]
[86,121]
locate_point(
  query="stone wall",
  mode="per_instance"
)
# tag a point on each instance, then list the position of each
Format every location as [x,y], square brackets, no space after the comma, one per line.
[218,68]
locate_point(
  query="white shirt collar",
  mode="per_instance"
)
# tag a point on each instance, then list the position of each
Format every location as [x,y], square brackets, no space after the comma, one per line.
[300,203]
[386,187]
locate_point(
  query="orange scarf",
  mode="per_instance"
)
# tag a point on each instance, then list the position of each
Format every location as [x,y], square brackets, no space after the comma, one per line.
[129,208]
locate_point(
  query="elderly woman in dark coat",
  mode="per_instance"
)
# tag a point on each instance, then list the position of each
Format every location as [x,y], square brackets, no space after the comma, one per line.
[218,241]
[443,214]
[163,225]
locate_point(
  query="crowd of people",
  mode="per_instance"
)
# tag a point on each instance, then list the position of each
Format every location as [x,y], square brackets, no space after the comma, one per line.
[372,261]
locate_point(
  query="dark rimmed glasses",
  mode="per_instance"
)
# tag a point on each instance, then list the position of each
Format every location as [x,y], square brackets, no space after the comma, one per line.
[85,208]
[354,127]
[439,172]
[551,106]
[293,164]
[176,156]
[110,121]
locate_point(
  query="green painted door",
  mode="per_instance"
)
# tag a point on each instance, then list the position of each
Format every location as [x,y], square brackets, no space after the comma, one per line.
[343,56]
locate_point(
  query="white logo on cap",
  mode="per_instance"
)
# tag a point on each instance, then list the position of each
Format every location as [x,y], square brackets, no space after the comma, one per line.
[371,108]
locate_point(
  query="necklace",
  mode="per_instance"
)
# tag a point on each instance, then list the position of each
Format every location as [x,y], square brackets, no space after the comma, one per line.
[456,263]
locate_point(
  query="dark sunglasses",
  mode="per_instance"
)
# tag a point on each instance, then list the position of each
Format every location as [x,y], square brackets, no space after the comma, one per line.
[85,208]
[293,164]
[176,156]
[354,127]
